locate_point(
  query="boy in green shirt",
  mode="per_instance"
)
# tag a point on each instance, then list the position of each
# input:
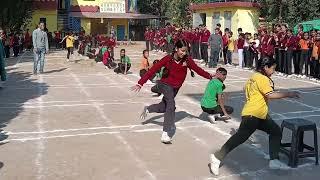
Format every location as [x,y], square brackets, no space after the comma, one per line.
[125,63]
[212,101]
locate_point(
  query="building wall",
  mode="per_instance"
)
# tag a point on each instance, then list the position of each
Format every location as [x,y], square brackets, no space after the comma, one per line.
[115,22]
[84,3]
[246,18]
[51,18]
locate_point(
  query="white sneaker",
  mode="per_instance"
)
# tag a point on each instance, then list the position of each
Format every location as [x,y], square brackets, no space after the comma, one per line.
[276,164]
[144,113]
[290,76]
[214,164]
[165,138]
[212,118]
[304,76]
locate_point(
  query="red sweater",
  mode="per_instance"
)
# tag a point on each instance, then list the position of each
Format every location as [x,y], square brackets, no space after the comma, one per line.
[205,36]
[178,71]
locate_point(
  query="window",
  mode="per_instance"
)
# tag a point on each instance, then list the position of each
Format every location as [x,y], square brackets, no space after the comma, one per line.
[215,20]
[227,19]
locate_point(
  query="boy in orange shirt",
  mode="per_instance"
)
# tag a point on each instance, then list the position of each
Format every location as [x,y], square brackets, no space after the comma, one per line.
[304,44]
[144,66]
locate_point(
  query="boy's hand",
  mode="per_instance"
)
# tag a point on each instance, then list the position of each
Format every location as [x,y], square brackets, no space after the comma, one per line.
[136,88]
[294,94]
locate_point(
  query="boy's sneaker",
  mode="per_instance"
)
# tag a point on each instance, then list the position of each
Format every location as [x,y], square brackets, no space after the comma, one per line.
[214,164]
[165,138]
[276,164]
[144,113]
[212,118]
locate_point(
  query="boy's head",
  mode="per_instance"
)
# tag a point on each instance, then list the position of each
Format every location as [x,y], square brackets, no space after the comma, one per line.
[122,52]
[221,73]
[145,53]
[155,61]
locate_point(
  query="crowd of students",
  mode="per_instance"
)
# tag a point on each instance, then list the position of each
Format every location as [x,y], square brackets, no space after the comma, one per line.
[295,55]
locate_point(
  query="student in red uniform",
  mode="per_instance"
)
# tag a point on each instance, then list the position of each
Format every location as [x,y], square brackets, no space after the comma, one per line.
[297,52]
[205,34]
[290,48]
[27,40]
[277,31]
[240,46]
[196,41]
[263,43]
[225,40]
[108,59]
[176,68]
[147,38]
[282,52]
[270,46]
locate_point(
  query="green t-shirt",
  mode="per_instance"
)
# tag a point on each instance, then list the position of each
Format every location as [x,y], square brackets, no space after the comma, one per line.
[125,59]
[209,99]
[103,50]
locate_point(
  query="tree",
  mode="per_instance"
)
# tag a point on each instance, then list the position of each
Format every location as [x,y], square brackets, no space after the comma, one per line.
[291,11]
[177,11]
[15,13]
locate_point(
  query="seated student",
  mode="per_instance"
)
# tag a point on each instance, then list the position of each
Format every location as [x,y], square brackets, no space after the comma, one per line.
[212,101]
[144,66]
[125,63]
[99,57]
[108,59]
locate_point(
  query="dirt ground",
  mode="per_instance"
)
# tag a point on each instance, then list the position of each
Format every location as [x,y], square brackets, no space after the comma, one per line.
[79,121]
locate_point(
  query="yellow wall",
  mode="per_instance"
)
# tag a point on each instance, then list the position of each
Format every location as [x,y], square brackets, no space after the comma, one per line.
[86,24]
[246,18]
[115,22]
[50,15]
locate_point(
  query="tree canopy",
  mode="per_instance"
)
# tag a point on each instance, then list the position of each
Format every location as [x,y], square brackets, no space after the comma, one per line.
[15,13]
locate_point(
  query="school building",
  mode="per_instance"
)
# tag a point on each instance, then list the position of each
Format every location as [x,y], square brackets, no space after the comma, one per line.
[230,14]
[92,16]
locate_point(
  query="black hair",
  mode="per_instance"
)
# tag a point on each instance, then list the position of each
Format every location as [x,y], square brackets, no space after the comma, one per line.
[219,24]
[155,61]
[222,70]
[123,50]
[239,29]
[180,44]
[226,29]
[265,61]
[144,51]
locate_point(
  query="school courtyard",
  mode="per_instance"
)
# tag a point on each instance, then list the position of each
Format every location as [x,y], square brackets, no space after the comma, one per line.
[81,121]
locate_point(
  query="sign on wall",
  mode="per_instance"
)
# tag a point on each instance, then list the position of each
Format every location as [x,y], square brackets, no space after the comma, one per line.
[113,7]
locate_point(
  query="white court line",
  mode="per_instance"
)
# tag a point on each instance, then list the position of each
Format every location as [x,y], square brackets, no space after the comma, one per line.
[40,144]
[159,129]
[118,128]
[130,150]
